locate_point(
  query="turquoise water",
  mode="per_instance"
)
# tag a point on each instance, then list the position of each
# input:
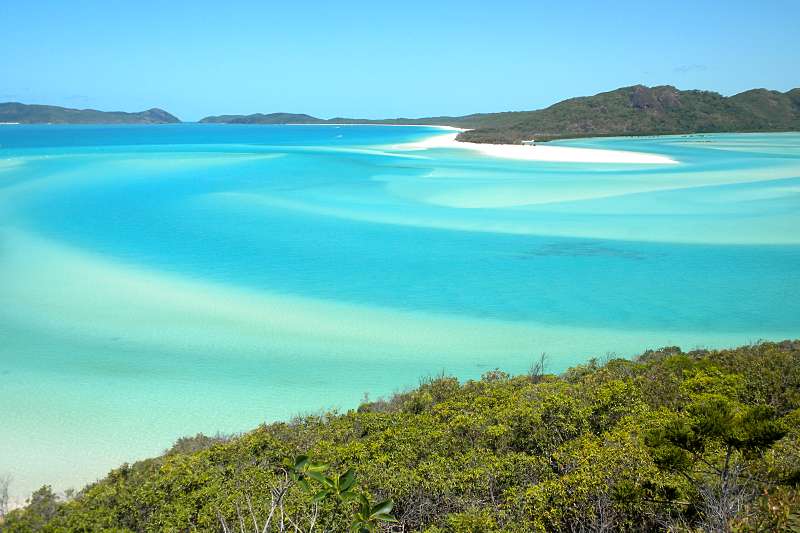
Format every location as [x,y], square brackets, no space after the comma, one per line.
[157,281]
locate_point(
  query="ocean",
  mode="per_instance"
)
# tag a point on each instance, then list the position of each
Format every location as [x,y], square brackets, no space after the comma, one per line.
[159,281]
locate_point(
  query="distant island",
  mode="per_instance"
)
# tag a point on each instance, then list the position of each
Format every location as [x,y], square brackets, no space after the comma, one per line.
[17,113]
[635,110]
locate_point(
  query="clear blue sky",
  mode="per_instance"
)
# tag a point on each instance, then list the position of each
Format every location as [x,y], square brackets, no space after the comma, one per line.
[382,59]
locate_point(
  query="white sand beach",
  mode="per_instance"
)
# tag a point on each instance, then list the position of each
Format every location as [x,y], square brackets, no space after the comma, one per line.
[539,152]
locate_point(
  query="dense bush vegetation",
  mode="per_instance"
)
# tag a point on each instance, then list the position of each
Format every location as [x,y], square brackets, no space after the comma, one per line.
[706,440]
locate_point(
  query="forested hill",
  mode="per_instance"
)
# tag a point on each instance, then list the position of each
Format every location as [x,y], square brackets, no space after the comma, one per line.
[259,118]
[636,110]
[669,441]
[641,110]
[15,112]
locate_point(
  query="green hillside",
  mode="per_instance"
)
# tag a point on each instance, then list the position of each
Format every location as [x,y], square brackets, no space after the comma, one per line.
[47,114]
[641,110]
[670,441]
[259,118]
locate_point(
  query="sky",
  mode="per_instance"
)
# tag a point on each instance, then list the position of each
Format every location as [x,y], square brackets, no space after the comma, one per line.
[377,59]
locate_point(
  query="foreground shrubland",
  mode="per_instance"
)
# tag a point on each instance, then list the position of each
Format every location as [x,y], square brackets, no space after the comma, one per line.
[672,441]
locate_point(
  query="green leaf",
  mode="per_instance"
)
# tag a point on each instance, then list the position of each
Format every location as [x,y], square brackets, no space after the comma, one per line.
[349,496]
[384,507]
[364,501]
[347,480]
[316,476]
[316,467]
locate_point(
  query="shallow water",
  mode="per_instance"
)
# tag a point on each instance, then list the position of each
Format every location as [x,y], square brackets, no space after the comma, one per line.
[157,281]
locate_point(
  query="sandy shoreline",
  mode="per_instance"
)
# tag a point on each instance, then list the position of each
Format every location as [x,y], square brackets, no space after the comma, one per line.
[539,152]
[564,154]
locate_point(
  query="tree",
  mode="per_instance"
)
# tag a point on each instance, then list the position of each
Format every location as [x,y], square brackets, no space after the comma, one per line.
[5,482]
[710,445]
[43,506]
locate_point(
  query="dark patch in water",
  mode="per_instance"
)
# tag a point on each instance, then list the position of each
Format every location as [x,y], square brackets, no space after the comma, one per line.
[581,249]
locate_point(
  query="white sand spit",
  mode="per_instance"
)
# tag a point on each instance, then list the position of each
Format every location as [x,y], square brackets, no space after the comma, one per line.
[565,154]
